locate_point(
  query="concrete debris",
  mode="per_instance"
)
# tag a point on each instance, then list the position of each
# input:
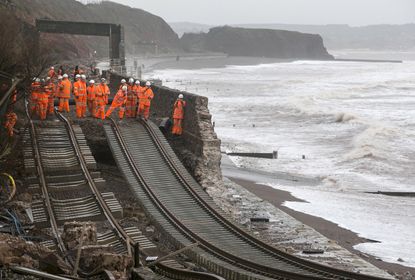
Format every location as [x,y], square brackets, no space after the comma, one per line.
[97,260]
[72,232]
[16,251]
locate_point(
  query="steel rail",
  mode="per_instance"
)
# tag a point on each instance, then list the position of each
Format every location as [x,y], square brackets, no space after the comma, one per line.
[97,194]
[45,192]
[325,269]
[247,265]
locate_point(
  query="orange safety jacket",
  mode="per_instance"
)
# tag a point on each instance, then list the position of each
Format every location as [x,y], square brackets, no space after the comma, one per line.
[119,99]
[104,89]
[137,89]
[79,90]
[43,95]
[66,88]
[145,96]
[99,96]
[178,109]
[91,90]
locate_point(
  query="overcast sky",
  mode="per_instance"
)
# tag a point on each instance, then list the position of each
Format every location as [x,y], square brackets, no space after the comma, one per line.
[219,12]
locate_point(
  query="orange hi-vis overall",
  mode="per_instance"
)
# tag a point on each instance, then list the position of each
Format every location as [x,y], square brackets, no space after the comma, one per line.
[145,96]
[119,102]
[91,91]
[79,91]
[99,103]
[34,106]
[51,97]
[178,116]
[131,105]
[105,91]
[65,95]
[11,119]
[43,101]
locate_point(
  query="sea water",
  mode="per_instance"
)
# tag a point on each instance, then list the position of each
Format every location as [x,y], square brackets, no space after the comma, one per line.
[353,122]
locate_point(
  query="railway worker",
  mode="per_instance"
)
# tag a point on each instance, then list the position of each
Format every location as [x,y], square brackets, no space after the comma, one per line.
[65,87]
[144,98]
[51,95]
[35,87]
[80,94]
[103,87]
[51,72]
[131,105]
[137,89]
[119,102]
[123,83]
[43,99]
[91,91]
[99,102]
[178,115]
[11,119]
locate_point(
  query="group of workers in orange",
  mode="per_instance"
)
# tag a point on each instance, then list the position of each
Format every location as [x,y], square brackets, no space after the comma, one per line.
[131,99]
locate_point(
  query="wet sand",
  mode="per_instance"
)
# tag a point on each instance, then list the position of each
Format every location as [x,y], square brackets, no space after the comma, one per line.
[343,237]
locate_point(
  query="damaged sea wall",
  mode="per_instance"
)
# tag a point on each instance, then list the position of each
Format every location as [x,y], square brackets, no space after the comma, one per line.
[198,147]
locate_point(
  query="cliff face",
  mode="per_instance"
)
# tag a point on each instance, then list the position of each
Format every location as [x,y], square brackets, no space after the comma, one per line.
[142,30]
[257,42]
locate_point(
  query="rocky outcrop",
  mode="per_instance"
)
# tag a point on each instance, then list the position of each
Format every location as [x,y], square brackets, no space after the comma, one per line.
[257,42]
[143,30]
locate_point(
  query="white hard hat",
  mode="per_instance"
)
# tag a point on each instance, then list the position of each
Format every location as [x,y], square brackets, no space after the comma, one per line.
[148,83]
[65,75]
[124,88]
[47,78]
[137,82]
[92,82]
[59,77]
[131,80]
[83,77]
[77,76]
[123,81]
[103,80]
[181,96]
[52,68]
[37,80]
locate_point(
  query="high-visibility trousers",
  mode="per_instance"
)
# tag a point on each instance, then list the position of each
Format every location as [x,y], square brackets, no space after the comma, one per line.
[64,104]
[43,108]
[121,110]
[34,106]
[92,107]
[100,109]
[177,127]
[144,111]
[131,107]
[51,105]
[80,108]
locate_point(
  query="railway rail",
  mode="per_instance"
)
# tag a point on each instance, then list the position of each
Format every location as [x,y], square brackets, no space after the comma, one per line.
[60,159]
[186,214]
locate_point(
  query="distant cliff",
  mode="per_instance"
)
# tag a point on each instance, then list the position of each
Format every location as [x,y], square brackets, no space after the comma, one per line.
[143,30]
[257,42]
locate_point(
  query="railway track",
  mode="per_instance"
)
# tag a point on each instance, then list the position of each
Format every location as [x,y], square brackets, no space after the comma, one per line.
[57,155]
[186,214]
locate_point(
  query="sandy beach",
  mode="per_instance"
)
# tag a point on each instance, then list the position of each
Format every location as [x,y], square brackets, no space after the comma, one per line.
[343,237]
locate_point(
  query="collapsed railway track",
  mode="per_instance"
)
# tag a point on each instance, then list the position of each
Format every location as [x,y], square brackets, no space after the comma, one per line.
[187,215]
[60,160]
